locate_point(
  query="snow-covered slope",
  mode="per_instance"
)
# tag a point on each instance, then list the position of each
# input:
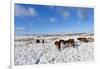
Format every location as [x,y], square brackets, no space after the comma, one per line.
[39,53]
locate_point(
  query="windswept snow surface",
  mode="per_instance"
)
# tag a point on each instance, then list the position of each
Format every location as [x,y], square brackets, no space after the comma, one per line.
[27,53]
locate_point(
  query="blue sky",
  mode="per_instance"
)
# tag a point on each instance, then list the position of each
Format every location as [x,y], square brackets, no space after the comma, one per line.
[45,19]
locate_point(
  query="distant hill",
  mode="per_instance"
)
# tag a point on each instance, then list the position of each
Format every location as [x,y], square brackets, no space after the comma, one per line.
[60,34]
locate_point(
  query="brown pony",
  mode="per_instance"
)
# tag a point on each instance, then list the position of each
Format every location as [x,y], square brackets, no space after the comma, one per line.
[82,39]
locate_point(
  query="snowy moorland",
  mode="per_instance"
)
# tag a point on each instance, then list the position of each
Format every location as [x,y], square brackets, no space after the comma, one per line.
[27,51]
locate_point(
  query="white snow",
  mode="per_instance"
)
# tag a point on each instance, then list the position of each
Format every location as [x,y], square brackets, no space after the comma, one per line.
[38,53]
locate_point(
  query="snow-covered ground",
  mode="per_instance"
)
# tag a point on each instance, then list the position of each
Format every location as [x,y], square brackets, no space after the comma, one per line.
[29,52]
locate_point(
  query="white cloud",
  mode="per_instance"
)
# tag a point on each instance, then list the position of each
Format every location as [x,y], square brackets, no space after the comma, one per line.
[63,11]
[32,12]
[22,11]
[20,28]
[81,13]
[52,19]
[65,15]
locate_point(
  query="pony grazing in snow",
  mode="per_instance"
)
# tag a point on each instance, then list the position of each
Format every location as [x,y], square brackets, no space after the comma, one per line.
[68,43]
[42,40]
[37,41]
[58,45]
[83,39]
[62,42]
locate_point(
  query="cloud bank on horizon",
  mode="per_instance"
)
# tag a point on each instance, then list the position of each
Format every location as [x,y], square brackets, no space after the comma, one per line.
[46,19]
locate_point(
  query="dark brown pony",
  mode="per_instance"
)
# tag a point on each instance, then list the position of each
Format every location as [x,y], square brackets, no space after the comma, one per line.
[37,41]
[70,43]
[58,45]
[82,39]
